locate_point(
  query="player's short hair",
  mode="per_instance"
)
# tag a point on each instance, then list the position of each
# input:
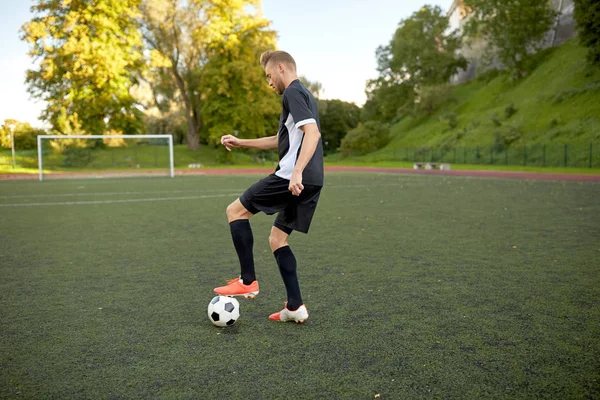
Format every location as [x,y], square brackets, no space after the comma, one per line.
[277,56]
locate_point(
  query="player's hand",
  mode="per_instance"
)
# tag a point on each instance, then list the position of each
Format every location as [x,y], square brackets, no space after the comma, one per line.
[230,141]
[296,185]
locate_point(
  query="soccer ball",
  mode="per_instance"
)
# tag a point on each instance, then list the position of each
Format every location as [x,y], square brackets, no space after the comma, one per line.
[223,311]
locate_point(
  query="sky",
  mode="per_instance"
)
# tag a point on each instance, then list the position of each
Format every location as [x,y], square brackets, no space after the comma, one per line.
[332,41]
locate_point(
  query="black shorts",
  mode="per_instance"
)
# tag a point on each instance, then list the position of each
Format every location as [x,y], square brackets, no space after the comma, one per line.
[271,195]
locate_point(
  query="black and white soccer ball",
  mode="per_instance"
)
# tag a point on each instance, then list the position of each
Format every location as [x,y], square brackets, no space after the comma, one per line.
[223,311]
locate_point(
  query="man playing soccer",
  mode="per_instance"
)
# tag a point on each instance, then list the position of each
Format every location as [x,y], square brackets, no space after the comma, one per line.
[292,191]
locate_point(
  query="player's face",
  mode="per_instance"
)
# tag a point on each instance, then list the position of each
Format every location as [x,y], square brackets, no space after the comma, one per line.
[274,78]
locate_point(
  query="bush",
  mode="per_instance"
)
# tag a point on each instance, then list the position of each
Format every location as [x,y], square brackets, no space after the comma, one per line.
[587,15]
[25,135]
[430,98]
[510,110]
[495,120]
[337,119]
[77,156]
[504,138]
[365,138]
[452,120]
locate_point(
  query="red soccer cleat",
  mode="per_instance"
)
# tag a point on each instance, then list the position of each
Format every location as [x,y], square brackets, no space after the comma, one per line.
[236,287]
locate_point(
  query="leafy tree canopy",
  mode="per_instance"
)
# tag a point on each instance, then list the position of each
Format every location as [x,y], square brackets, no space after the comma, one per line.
[89,55]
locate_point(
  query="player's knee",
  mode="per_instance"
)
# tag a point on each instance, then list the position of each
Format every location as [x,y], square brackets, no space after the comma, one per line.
[237,211]
[277,241]
[230,210]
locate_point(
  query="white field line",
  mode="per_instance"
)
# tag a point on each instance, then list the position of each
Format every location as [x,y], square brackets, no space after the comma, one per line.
[74,203]
[50,195]
[112,201]
[25,196]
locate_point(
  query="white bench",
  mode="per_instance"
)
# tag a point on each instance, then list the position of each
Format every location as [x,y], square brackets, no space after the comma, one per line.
[431,165]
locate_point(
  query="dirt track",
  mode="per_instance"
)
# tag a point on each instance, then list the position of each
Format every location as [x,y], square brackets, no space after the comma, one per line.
[226,171]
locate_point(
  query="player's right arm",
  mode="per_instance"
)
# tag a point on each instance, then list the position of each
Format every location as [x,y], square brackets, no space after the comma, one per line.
[265,143]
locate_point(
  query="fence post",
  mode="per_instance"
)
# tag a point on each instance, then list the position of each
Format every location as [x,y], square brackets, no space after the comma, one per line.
[590,165]
[566,154]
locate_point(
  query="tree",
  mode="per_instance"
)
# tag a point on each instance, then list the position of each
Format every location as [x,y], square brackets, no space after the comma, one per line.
[337,118]
[365,138]
[587,16]
[386,101]
[197,39]
[25,135]
[512,29]
[315,87]
[237,98]
[89,54]
[421,52]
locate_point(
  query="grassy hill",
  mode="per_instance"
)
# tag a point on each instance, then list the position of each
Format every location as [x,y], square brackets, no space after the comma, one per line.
[558,103]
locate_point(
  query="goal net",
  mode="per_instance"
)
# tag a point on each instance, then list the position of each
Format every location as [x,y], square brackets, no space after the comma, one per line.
[104,156]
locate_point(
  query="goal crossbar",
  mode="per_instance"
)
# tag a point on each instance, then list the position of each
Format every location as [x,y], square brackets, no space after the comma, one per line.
[169,137]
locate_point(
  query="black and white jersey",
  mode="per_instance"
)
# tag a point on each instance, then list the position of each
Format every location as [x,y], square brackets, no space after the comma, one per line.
[299,109]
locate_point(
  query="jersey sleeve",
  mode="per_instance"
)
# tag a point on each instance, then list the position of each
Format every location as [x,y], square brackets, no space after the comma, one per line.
[297,104]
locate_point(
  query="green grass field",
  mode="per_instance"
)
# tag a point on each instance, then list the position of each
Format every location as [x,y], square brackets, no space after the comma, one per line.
[418,287]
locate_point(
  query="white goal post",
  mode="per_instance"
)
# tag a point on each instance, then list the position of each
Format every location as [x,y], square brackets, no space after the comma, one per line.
[42,137]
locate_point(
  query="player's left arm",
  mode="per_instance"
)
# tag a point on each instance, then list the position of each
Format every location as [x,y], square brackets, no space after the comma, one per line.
[309,145]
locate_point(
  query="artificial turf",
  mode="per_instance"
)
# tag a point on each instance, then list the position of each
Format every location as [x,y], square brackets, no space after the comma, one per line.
[417,287]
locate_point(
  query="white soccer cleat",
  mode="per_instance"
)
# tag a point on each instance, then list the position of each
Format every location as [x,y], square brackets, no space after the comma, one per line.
[298,316]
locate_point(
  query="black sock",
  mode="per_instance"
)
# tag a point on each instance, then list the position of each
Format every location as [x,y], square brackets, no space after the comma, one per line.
[287,267]
[241,233]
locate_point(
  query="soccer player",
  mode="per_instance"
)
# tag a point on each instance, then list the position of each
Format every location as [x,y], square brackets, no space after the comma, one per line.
[292,191]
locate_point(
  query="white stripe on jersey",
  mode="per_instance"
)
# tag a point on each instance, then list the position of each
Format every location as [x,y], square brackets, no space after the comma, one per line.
[295,135]
[305,122]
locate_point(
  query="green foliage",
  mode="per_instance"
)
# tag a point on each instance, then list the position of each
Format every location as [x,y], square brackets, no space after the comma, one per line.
[365,138]
[452,119]
[315,87]
[421,50]
[237,99]
[77,156]
[510,110]
[205,57]
[504,138]
[25,136]
[386,101]
[512,29]
[587,16]
[421,53]
[495,119]
[430,98]
[592,87]
[563,88]
[171,121]
[89,55]
[337,118]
